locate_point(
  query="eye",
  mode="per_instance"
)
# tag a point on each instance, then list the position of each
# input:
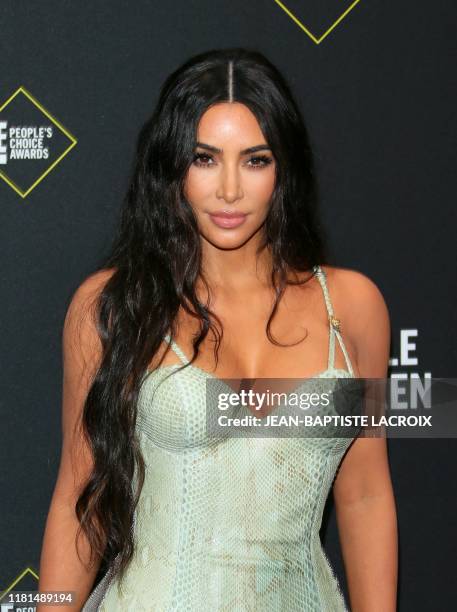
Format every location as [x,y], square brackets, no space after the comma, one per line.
[199,159]
[263,159]
[257,162]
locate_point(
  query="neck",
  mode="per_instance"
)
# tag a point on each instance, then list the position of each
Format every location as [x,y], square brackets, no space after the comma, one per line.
[236,269]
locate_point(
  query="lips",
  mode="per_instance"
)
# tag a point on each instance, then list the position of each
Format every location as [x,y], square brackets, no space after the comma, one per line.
[226,219]
[228,215]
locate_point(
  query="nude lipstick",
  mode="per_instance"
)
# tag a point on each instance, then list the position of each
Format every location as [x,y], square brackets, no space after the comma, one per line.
[226,219]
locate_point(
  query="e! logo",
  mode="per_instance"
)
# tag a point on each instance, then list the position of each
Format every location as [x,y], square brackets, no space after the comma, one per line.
[3,150]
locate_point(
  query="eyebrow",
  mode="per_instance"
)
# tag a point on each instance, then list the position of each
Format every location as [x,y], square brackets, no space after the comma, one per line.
[261,147]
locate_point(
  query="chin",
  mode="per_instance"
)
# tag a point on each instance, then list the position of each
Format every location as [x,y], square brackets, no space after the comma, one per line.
[228,242]
[227,239]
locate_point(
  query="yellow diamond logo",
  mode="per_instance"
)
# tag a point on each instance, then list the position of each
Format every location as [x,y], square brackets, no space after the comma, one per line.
[324,16]
[26,581]
[32,142]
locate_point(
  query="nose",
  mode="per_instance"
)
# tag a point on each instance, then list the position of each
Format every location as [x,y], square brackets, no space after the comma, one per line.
[229,188]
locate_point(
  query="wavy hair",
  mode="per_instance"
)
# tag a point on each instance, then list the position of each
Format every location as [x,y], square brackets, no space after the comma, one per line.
[156,260]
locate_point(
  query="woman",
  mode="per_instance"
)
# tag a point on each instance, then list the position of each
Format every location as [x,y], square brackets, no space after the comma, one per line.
[219,262]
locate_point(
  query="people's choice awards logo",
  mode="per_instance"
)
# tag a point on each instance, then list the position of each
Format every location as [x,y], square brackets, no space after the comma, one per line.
[32,142]
[318,16]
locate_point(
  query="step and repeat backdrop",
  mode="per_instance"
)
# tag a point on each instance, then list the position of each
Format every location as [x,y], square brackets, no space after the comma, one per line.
[375,81]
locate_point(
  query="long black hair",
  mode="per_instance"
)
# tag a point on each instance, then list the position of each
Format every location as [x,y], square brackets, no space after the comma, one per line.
[155,261]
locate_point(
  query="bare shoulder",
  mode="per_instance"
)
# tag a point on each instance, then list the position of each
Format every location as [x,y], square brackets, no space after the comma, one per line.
[94,283]
[88,291]
[360,305]
[355,294]
[80,335]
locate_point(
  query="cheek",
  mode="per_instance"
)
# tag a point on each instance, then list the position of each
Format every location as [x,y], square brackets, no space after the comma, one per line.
[196,186]
[261,186]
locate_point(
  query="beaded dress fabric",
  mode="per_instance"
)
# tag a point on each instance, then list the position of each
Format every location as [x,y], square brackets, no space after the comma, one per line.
[231,525]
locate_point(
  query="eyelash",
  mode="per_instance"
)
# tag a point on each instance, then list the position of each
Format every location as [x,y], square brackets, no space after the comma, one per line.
[263,158]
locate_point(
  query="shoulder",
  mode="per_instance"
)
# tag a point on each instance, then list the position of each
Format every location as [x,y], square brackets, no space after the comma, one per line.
[355,292]
[360,305]
[87,292]
[95,281]
[80,326]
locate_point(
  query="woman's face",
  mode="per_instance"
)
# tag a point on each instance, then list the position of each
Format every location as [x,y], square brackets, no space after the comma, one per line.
[226,178]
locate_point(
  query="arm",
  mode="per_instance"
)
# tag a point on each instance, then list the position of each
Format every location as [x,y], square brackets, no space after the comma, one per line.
[363,493]
[60,567]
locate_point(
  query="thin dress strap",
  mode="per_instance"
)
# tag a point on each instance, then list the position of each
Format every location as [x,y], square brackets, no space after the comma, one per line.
[176,348]
[333,324]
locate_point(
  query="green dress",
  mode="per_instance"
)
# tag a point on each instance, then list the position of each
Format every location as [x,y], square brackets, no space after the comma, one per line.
[232,525]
